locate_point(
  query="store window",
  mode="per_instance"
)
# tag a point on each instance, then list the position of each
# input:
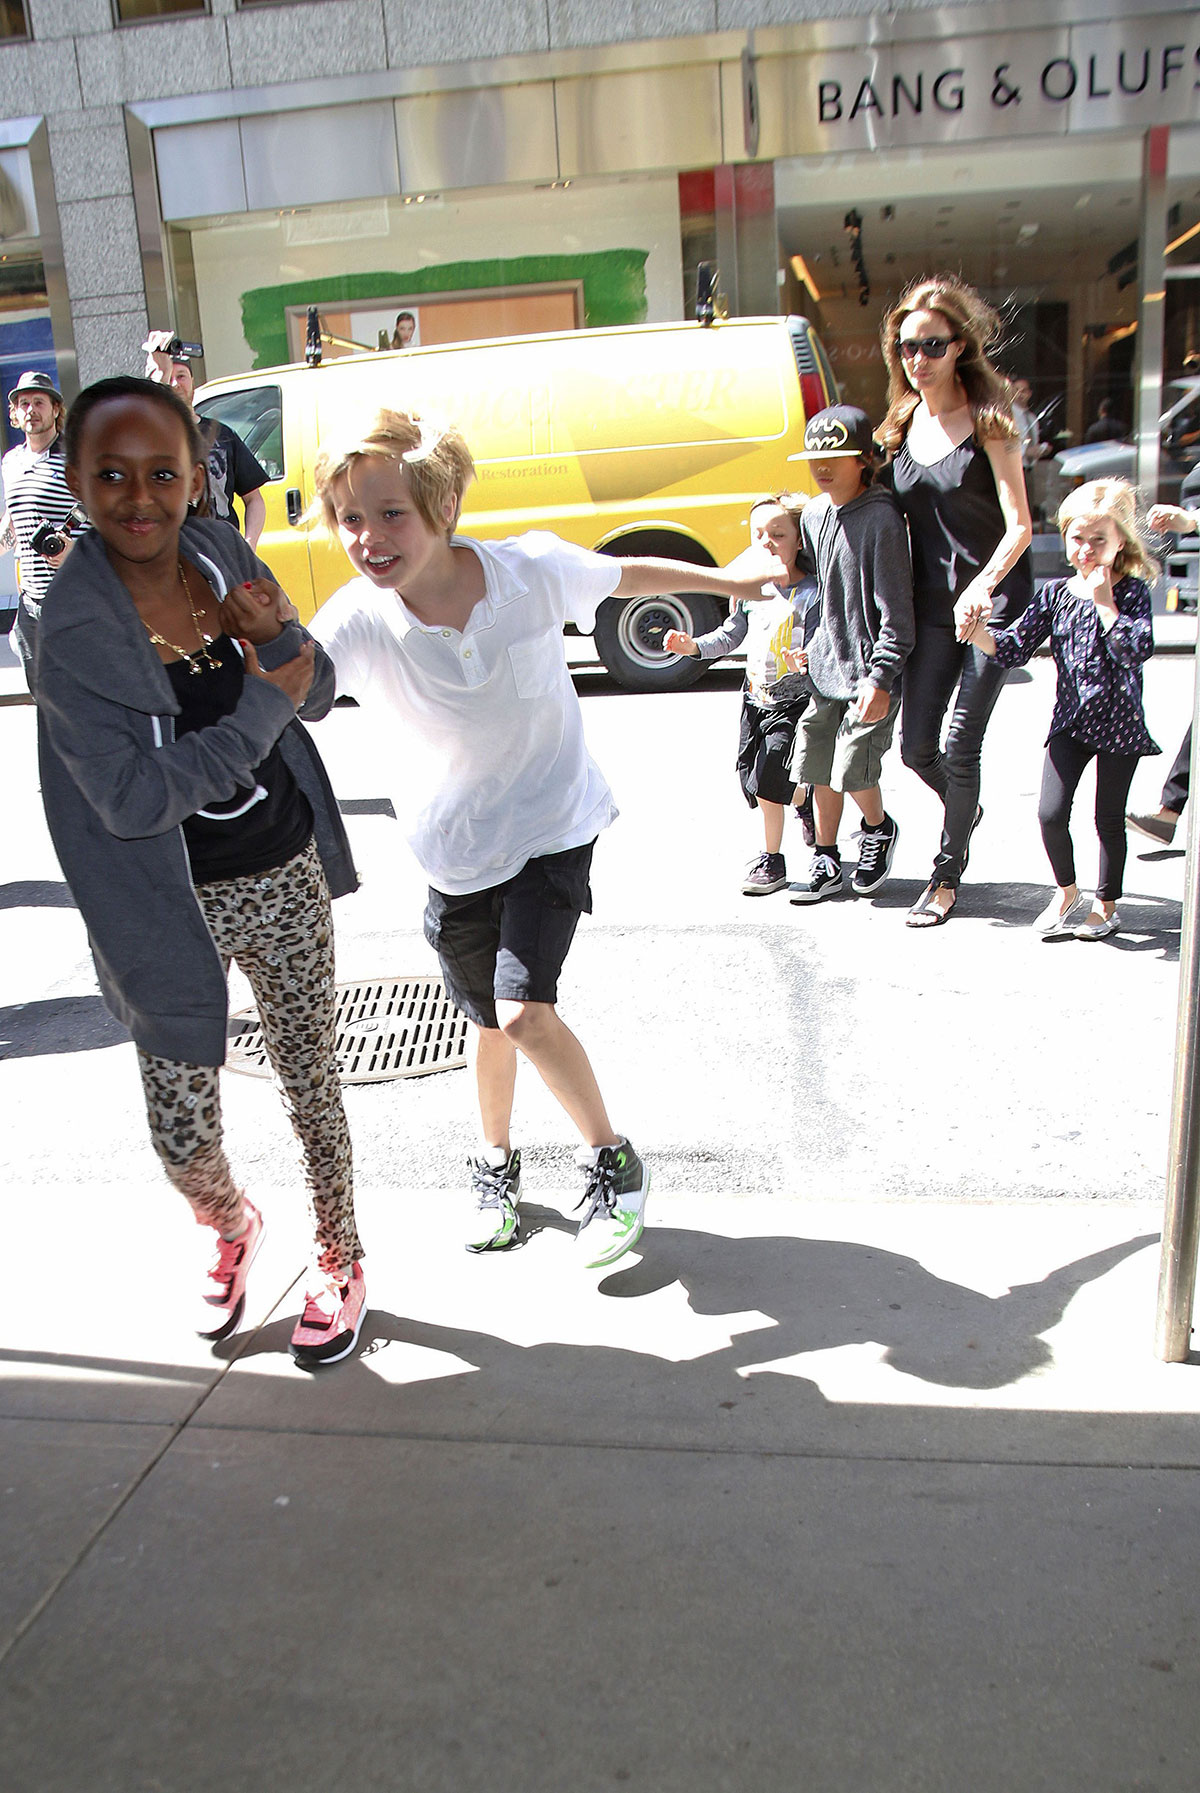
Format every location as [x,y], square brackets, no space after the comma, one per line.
[135,12]
[463,266]
[1047,232]
[14,21]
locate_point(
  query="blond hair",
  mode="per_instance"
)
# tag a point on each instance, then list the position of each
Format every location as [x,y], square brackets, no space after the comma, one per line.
[435,456]
[977,326]
[1116,501]
[791,502]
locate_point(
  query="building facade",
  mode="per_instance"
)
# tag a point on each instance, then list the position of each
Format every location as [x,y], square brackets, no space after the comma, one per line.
[221,165]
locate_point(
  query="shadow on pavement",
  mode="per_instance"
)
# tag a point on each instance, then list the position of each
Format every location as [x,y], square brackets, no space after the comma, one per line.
[1148,923]
[784,1297]
[58,1024]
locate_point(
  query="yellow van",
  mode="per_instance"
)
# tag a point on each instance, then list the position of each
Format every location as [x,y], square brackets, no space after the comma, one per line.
[649,439]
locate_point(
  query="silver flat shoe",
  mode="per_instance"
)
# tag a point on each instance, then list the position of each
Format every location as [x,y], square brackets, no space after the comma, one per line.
[1099,930]
[1053,924]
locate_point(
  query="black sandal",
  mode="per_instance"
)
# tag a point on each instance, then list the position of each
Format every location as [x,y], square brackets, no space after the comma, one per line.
[925,913]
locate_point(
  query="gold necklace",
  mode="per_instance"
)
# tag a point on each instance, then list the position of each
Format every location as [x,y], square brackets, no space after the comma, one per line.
[199,657]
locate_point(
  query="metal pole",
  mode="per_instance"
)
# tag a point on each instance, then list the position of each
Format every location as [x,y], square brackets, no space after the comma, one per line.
[1181,1218]
[1152,238]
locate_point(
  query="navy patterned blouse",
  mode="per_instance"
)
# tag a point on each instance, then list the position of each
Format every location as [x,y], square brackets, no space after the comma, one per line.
[1099,697]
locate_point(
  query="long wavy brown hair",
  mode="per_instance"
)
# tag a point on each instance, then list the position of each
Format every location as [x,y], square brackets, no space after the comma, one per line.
[977,326]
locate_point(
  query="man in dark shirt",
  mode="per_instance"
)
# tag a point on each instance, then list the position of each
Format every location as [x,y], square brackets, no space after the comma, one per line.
[232,469]
[1106,428]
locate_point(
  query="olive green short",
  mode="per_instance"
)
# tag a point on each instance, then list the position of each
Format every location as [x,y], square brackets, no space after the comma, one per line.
[834,749]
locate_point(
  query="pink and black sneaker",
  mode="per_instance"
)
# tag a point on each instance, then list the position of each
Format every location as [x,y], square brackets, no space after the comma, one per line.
[225,1286]
[333,1314]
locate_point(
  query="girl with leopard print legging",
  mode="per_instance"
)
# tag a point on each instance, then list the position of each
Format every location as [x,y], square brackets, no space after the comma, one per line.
[195,825]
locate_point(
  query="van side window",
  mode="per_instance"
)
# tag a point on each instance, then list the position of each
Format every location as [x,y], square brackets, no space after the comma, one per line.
[256,414]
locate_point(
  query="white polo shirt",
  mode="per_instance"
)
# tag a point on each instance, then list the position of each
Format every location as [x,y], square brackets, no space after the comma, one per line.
[480,734]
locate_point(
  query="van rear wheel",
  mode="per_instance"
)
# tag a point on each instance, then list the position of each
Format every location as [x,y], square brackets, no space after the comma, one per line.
[629,633]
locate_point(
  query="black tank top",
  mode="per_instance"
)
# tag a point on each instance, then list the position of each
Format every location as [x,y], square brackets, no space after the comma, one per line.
[954,522]
[259,827]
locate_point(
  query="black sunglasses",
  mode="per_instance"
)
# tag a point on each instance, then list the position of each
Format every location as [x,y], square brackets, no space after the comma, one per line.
[932,347]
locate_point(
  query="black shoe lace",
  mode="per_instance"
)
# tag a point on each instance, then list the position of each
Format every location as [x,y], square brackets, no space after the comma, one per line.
[491,1184]
[600,1193]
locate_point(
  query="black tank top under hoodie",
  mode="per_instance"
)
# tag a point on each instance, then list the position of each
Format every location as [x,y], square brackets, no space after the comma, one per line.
[259,827]
[954,523]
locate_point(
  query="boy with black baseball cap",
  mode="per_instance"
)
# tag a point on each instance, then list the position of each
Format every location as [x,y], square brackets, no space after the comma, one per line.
[859,543]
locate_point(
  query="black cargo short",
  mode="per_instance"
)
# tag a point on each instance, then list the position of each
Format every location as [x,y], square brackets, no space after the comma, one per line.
[508,943]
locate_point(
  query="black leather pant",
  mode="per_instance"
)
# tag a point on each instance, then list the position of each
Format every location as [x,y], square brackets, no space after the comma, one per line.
[937,664]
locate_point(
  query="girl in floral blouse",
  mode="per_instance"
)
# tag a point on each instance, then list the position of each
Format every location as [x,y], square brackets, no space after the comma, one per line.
[1098,624]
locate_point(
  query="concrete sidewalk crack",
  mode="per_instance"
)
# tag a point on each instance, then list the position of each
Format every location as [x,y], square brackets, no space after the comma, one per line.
[22,1628]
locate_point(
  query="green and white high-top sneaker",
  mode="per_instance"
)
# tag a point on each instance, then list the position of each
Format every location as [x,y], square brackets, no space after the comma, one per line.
[496,1188]
[613,1203]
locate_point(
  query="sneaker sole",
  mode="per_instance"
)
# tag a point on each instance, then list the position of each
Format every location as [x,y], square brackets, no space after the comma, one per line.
[874,885]
[231,1323]
[228,1325]
[618,1251]
[315,1354]
[499,1241]
[1160,840]
[764,889]
[818,896]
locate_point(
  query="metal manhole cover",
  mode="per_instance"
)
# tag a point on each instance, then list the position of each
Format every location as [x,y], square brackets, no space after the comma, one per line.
[398,1027]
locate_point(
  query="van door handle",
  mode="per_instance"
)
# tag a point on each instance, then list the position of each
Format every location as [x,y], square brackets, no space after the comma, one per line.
[295,505]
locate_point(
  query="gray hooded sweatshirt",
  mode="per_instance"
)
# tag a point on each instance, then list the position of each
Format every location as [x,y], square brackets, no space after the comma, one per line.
[117,787]
[864,573]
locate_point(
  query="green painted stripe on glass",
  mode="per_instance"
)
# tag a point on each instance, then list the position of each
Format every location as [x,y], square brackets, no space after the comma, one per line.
[614,291]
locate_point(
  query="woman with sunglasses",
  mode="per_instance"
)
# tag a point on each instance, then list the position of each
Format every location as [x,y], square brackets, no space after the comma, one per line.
[956,474]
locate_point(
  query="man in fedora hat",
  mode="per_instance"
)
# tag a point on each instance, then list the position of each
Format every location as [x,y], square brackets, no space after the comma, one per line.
[35,493]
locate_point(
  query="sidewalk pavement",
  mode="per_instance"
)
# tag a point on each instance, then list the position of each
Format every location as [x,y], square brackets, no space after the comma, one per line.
[801,1495]
[855,1477]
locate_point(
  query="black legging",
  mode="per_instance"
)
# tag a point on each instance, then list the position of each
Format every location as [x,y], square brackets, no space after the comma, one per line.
[937,663]
[1065,761]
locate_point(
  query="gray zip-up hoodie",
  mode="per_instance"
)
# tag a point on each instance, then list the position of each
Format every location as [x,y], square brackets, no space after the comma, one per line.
[117,787]
[864,574]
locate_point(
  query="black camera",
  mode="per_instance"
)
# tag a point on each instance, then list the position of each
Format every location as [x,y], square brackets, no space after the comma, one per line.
[192,351]
[50,539]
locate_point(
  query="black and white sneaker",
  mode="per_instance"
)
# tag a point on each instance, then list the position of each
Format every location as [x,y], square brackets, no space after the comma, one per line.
[824,879]
[768,873]
[877,847]
[496,1188]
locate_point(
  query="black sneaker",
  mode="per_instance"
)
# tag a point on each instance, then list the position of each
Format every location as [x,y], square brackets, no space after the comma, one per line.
[824,879]
[768,873]
[496,1189]
[804,815]
[876,849]
[613,1202]
[1153,827]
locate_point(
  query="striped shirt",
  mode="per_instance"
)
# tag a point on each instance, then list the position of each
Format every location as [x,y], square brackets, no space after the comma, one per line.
[35,492]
